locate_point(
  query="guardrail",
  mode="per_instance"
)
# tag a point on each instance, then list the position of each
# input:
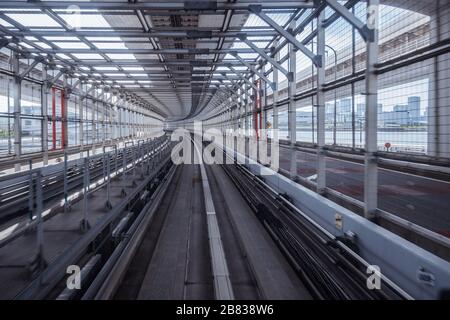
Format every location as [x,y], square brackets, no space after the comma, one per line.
[418,272]
[49,276]
[69,179]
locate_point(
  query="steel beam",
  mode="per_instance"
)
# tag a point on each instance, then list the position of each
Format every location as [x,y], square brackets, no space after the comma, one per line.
[257,9]
[137,33]
[241,76]
[275,97]
[321,163]
[56,78]
[366,33]
[263,54]
[64,108]
[261,75]
[142,51]
[31,67]
[45,90]
[292,114]
[81,113]
[154,6]
[371,142]
[263,113]
[17,95]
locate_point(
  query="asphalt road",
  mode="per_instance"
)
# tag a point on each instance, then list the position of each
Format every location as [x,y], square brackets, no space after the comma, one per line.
[423,201]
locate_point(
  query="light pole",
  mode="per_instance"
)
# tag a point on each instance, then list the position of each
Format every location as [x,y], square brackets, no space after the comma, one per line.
[360,131]
[335,78]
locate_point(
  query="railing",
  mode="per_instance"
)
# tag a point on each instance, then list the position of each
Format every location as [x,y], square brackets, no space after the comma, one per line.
[23,192]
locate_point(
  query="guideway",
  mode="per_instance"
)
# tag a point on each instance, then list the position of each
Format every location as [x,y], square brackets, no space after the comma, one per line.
[186,232]
[218,232]
[175,258]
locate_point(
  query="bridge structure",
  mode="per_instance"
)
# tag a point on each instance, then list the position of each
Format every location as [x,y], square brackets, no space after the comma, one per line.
[224,149]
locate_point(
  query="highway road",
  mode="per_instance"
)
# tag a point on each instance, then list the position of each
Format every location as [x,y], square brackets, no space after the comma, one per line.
[421,200]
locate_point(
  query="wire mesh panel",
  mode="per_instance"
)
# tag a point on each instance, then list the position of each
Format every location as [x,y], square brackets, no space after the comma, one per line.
[338,48]
[73,121]
[359,46]
[6,117]
[283,128]
[269,123]
[403,103]
[306,121]
[31,117]
[413,106]
[403,31]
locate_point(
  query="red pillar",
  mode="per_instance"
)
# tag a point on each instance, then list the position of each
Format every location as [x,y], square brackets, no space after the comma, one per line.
[63,120]
[53,118]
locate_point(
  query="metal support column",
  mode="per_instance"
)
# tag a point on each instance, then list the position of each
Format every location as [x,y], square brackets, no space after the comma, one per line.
[263,108]
[84,223]
[246,104]
[65,101]
[45,91]
[108,181]
[321,180]
[30,190]
[17,89]
[275,133]
[292,117]
[370,161]
[66,183]
[120,111]
[246,129]
[94,120]
[81,123]
[103,113]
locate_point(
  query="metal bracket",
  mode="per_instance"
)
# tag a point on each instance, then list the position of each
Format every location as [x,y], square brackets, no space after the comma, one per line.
[261,52]
[368,34]
[273,85]
[200,5]
[239,74]
[198,63]
[53,81]
[257,9]
[233,82]
[194,34]
[199,51]
[31,66]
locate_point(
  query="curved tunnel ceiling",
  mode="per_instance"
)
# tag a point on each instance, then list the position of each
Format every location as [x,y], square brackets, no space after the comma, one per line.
[178,97]
[167,57]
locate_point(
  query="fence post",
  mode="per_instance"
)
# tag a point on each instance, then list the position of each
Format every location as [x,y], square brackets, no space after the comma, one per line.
[65,183]
[31,190]
[84,224]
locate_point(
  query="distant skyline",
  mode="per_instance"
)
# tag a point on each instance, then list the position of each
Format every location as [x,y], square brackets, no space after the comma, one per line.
[392,96]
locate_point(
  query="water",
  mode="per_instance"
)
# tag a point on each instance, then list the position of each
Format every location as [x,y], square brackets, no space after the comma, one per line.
[401,141]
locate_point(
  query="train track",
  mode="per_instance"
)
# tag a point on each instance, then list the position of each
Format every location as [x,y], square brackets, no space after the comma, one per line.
[329,267]
[183,245]
[176,249]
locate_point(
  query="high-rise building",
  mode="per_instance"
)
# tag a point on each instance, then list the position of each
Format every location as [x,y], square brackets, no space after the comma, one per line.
[414,108]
